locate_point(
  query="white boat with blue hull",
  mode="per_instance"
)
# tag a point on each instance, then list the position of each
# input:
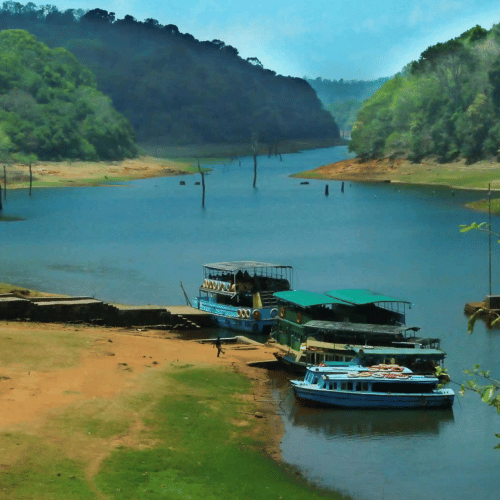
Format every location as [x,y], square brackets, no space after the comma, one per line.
[240,295]
[383,386]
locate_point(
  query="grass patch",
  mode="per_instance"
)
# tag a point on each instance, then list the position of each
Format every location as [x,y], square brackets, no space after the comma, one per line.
[7,288]
[41,350]
[37,470]
[454,177]
[482,206]
[11,218]
[200,453]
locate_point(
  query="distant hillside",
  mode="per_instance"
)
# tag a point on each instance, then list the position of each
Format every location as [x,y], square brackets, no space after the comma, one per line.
[445,105]
[173,88]
[50,107]
[344,98]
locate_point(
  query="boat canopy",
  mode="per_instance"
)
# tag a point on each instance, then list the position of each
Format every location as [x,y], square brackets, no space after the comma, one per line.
[304,298]
[333,326]
[360,297]
[397,352]
[242,265]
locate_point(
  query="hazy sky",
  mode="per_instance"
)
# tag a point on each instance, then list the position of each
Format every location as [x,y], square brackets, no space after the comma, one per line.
[350,39]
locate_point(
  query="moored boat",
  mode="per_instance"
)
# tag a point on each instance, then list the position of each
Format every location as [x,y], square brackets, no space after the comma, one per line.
[352,316]
[240,295]
[379,386]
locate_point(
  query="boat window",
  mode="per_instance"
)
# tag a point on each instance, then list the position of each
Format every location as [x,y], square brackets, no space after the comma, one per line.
[343,386]
[362,386]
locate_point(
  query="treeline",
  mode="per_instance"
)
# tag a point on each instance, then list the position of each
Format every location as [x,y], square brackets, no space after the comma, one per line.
[50,107]
[344,98]
[173,88]
[445,105]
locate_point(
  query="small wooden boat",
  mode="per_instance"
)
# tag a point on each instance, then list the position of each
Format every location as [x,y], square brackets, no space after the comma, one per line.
[379,386]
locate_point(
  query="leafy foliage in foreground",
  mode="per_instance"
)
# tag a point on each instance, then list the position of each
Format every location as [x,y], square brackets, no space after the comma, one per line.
[173,88]
[486,386]
[50,107]
[446,104]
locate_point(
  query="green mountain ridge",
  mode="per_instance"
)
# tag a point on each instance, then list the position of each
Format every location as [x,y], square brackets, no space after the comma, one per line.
[174,89]
[446,105]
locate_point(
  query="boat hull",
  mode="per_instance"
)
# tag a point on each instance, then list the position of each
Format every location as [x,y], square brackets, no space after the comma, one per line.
[440,398]
[225,316]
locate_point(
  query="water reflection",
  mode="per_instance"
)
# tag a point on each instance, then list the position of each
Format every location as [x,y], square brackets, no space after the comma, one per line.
[369,424]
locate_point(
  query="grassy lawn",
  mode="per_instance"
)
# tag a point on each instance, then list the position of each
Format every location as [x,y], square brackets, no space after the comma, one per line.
[179,432]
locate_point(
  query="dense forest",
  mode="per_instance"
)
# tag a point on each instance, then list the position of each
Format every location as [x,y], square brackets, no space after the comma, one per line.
[173,88]
[344,98]
[50,107]
[445,105]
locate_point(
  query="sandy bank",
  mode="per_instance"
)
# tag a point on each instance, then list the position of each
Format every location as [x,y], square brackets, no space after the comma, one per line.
[457,174]
[66,173]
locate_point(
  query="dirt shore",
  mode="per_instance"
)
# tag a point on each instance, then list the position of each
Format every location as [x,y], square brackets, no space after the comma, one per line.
[120,358]
[79,173]
[457,174]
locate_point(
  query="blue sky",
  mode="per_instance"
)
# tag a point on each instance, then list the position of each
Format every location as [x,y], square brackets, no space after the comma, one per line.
[349,39]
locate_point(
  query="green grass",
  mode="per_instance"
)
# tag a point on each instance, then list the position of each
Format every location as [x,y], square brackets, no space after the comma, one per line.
[482,206]
[40,472]
[42,350]
[201,453]
[189,431]
[457,178]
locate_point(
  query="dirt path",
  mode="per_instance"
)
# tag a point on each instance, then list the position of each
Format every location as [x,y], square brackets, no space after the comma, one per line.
[115,363]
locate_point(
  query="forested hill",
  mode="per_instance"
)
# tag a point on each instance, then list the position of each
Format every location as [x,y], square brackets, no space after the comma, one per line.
[344,98]
[332,91]
[50,107]
[445,105]
[173,88]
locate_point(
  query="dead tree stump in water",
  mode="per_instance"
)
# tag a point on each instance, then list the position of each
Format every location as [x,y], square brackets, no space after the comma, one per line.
[202,185]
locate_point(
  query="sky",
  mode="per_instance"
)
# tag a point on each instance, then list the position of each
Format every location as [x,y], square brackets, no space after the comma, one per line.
[332,39]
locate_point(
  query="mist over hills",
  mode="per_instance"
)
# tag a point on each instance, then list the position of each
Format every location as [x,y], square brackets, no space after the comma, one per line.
[173,88]
[344,98]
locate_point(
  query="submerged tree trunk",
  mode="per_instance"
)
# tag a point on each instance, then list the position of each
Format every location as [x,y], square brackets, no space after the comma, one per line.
[202,185]
[254,170]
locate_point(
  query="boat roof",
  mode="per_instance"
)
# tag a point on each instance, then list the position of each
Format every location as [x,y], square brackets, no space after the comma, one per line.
[398,351]
[358,296]
[334,326]
[240,265]
[304,298]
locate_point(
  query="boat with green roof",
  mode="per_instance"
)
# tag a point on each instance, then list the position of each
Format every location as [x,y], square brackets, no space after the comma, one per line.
[349,325]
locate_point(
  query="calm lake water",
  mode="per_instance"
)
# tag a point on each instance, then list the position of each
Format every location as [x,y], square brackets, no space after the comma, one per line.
[136,242]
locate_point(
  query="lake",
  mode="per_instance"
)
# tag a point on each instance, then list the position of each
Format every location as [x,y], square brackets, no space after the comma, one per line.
[136,242]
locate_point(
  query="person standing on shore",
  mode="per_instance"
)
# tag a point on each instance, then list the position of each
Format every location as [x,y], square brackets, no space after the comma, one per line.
[218,344]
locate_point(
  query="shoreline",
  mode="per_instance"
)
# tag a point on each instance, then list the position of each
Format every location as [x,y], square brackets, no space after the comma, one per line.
[79,174]
[456,175]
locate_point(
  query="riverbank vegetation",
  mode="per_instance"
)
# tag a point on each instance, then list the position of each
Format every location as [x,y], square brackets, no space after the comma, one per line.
[446,105]
[50,107]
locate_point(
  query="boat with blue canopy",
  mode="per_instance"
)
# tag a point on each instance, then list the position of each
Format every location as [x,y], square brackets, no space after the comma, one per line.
[378,386]
[240,295]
